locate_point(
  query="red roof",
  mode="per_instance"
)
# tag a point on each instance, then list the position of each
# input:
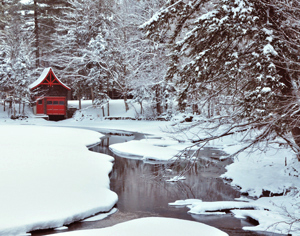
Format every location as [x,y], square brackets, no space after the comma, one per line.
[47,78]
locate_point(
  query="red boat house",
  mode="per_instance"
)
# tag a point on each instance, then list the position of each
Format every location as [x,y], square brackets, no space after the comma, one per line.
[50,95]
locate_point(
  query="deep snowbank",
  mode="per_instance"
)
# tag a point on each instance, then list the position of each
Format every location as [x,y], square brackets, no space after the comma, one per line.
[49,178]
[151,226]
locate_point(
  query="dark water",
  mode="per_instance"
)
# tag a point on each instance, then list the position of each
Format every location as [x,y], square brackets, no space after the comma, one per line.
[143,191]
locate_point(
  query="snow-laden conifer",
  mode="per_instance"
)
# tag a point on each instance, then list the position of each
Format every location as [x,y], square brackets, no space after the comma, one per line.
[16,59]
[241,54]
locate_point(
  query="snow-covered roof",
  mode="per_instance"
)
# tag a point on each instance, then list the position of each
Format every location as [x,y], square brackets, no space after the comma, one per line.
[43,76]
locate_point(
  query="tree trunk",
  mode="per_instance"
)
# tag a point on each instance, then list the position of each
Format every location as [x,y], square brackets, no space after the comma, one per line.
[157,100]
[79,100]
[296,137]
[141,104]
[208,109]
[36,32]
[20,107]
[195,109]
[14,108]
[92,94]
[23,111]
[125,101]
[287,91]
[107,108]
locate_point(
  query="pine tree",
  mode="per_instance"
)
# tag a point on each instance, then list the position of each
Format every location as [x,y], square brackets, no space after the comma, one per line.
[75,43]
[16,57]
[40,16]
[236,51]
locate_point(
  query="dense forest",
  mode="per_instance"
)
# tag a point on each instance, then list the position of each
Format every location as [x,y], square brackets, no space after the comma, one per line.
[233,62]
[96,47]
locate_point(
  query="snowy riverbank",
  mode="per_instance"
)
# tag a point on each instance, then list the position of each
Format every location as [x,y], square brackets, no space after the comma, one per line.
[272,172]
[49,178]
[271,176]
[152,226]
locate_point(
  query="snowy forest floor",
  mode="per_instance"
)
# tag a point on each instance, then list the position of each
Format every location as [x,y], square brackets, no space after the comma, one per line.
[269,177]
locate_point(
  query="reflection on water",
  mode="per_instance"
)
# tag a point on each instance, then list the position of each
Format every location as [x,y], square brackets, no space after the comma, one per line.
[135,180]
[143,192]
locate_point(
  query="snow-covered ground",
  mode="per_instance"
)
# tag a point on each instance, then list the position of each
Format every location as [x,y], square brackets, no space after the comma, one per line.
[152,226]
[274,171]
[270,178]
[113,108]
[48,177]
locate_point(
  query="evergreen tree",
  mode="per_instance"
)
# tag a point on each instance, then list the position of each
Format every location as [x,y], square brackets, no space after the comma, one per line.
[16,56]
[75,43]
[40,15]
[236,51]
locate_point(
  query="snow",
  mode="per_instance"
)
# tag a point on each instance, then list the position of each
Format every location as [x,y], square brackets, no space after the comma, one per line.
[253,172]
[176,178]
[101,216]
[144,149]
[273,214]
[152,226]
[207,15]
[199,207]
[158,15]
[268,31]
[267,211]
[268,49]
[262,168]
[266,90]
[116,108]
[281,216]
[241,7]
[185,202]
[49,180]
[272,163]
[258,174]
[26,1]
[42,77]
[61,228]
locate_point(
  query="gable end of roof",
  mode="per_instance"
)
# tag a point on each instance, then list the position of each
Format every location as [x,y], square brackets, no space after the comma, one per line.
[42,77]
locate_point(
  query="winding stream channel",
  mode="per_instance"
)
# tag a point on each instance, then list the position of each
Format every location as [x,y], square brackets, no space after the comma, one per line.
[143,192]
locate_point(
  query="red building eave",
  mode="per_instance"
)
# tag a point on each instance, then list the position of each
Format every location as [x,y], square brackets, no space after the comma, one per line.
[47,79]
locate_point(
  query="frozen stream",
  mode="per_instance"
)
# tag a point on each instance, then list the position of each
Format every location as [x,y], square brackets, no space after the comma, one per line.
[142,191]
